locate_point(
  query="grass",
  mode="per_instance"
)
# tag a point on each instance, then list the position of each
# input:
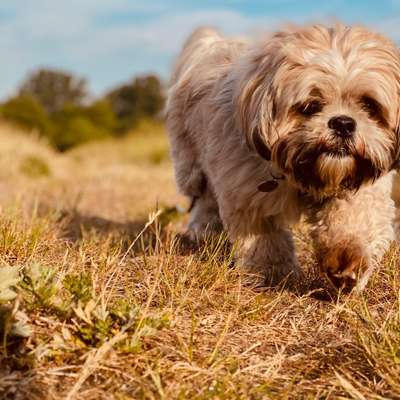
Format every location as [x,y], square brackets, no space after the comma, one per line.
[101,297]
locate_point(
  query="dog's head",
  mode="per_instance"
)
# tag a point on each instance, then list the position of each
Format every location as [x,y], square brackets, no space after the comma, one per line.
[324,104]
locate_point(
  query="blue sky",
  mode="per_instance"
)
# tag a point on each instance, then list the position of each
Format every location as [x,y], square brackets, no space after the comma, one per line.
[110,41]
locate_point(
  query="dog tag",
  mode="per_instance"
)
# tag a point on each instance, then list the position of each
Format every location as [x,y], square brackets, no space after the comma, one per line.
[268,186]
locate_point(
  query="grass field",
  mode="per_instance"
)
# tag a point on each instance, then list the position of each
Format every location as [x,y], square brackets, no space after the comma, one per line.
[103,298]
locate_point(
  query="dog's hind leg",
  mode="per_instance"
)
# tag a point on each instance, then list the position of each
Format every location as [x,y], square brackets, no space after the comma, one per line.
[204,216]
[189,176]
[192,182]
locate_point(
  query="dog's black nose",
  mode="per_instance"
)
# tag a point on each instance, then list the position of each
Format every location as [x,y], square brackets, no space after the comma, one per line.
[343,125]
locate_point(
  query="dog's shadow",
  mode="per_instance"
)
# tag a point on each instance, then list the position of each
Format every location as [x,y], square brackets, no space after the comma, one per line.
[145,235]
[76,225]
[317,288]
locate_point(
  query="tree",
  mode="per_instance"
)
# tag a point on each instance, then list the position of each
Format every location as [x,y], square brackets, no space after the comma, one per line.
[53,89]
[141,98]
[149,95]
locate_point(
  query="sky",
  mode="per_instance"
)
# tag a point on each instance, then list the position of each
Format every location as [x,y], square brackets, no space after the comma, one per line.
[110,41]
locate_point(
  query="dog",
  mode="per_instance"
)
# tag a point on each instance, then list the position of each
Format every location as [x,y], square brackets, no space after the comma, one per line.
[301,124]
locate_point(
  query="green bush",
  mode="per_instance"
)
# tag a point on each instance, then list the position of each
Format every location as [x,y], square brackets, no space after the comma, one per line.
[26,112]
[77,130]
[76,125]
[102,115]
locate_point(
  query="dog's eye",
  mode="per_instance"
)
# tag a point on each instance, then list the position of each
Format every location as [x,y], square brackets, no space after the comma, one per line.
[370,106]
[310,108]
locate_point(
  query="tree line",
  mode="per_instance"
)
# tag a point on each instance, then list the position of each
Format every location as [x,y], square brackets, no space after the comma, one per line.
[57,105]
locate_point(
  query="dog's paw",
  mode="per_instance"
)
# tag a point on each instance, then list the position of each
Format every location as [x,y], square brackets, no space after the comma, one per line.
[269,275]
[344,264]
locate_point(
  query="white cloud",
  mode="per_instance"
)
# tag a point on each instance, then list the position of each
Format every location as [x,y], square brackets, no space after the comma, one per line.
[79,34]
[104,38]
[166,34]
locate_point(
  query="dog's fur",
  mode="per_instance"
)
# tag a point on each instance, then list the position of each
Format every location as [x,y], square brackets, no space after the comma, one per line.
[248,125]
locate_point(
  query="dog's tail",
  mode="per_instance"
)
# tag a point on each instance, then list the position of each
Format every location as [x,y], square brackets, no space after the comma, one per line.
[195,49]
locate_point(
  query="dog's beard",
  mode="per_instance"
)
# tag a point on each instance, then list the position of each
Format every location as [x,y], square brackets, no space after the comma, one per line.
[324,167]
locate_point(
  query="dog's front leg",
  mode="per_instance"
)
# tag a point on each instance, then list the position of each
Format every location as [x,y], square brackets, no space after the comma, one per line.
[351,235]
[269,258]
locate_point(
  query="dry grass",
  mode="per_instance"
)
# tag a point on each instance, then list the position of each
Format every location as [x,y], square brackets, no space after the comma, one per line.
[117,306]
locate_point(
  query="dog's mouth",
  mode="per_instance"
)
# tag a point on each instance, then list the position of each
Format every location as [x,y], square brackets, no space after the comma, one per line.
[325,169]
[338,149]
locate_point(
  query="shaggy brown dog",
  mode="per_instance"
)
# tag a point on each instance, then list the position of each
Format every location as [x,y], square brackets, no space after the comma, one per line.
[305,122]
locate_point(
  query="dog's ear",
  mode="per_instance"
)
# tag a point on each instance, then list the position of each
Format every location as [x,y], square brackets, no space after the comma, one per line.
[396,163]
[396,157]
[260,146]
[255,116]
[254,95]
